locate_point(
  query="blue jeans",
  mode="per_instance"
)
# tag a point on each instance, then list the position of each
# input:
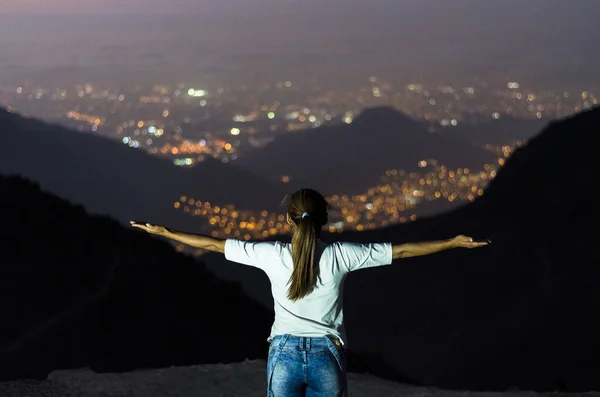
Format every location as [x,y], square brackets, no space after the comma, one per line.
[302,366]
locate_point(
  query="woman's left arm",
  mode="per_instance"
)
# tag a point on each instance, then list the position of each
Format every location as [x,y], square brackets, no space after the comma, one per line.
[431,247]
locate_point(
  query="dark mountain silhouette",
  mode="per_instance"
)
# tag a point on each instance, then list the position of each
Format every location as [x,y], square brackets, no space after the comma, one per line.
[351,158]
[82,291]
[522,312]
[107,177]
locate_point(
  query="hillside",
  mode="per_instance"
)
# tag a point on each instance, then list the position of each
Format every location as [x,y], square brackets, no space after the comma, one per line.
[524,311]
[352,158]
[107,177]
[82,291]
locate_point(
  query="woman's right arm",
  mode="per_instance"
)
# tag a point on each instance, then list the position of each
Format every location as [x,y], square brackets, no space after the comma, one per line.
[431,247]
[193,240]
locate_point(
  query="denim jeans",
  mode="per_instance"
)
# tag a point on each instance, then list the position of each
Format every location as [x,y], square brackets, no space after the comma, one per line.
[302,366]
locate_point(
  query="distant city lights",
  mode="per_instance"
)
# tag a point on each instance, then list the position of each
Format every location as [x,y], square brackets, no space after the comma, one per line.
[196,93]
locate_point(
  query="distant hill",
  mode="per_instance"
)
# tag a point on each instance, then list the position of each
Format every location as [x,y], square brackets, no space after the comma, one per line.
[524,311]
[351,158]
[107,177]
[82,291]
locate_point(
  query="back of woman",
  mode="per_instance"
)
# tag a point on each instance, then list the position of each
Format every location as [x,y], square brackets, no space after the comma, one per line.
[319,313]
[307,355]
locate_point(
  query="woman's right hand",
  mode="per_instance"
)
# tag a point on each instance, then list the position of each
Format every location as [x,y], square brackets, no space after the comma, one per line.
[152,229]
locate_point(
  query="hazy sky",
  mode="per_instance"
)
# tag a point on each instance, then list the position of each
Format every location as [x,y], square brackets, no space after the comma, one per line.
[264,6]
[473,37]
[124,6]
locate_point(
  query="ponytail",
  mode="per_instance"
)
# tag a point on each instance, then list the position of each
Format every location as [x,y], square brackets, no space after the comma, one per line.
[307,213]
[304,244]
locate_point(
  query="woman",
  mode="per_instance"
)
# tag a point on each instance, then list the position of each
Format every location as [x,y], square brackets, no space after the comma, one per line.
[306,353]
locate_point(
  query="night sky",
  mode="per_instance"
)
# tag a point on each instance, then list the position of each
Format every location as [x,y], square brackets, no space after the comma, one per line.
[570,11]
[445,40]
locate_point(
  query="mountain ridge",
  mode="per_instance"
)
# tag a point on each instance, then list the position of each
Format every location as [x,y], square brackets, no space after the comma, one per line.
[383,138]
[521,312]
[108,178]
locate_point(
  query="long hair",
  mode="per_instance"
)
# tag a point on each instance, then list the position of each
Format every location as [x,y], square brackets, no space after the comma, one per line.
[307,209]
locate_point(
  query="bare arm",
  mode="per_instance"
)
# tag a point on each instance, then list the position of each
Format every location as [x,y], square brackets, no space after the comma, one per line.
[419,249]
[193,240]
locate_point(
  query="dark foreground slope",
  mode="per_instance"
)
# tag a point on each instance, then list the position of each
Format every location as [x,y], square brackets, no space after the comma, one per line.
[79,291]
[524,311]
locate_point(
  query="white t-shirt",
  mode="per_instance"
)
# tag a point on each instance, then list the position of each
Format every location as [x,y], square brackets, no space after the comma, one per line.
[321,312]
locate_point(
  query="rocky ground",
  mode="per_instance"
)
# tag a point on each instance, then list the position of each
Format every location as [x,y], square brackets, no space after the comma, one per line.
[221,380]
